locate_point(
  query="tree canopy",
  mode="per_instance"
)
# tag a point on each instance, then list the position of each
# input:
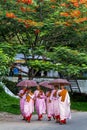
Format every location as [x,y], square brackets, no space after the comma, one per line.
[49,28]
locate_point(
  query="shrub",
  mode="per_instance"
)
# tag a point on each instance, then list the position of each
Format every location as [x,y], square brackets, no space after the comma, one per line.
[81,97]
[11,86]
[1,88]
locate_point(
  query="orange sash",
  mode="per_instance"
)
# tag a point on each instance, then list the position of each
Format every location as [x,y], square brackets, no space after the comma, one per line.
[28,97]
[63,94]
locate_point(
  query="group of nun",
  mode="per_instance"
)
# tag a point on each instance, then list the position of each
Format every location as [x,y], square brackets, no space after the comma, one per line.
[55,103]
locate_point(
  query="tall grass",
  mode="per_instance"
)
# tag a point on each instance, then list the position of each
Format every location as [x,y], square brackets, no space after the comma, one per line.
[79,101]
[8,103]
[79,106]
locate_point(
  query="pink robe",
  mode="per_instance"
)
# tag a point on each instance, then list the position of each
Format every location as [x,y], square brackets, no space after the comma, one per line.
[29,106]
[40,104]
[55,103]
[22,100]
[49,105]
[64,108]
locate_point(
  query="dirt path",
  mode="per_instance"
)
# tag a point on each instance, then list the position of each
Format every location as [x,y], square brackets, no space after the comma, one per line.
[4,116]
[8,117]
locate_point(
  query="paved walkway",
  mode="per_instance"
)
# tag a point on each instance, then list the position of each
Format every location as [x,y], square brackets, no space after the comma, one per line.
[13,122]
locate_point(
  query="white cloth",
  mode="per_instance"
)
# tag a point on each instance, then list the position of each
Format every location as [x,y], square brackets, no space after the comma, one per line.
[64,108]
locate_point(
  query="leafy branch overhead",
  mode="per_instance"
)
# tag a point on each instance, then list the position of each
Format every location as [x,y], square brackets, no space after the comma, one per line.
[54,30]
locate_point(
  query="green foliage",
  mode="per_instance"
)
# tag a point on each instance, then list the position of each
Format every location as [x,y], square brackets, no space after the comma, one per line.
[68,61]
[78,100]
[4,61]
[8,103]
[8,49]
[79,106]
[11,86]
[78,97]
[41,65]
[1,89]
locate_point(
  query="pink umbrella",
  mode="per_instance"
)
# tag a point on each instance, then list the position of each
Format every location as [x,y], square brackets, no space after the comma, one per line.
[27,83]
[59,82]
[46,84]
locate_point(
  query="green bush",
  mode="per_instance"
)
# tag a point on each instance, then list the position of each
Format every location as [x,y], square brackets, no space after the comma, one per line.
[1,88]
[81,97]
[11,86]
